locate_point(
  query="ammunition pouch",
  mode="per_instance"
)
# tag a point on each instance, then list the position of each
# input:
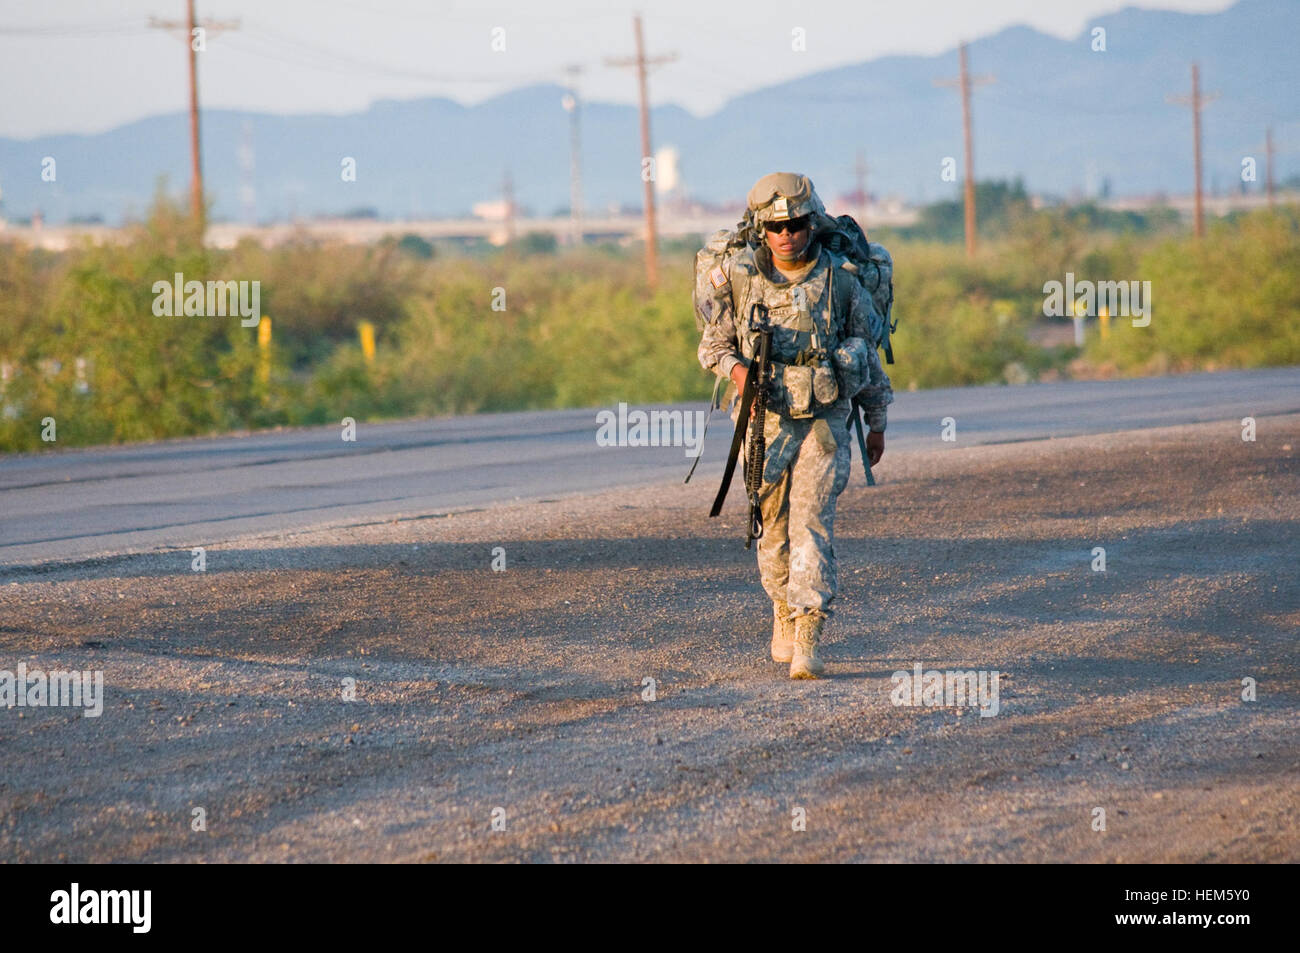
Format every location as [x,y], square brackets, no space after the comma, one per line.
[825,388]
[797,382]
[802,388]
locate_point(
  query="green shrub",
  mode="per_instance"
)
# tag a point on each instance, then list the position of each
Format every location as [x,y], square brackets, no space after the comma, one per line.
[572,327]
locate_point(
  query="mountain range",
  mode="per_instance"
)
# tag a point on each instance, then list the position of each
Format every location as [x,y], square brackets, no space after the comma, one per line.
[1068,119]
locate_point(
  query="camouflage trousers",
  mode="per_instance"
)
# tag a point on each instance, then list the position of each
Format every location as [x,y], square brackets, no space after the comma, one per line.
[796,553]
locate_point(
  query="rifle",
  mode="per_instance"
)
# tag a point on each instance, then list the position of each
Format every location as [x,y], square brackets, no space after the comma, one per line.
[756,445]
[751,420]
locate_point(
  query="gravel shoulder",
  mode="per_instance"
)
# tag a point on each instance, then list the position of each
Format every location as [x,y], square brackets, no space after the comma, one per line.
[523,690]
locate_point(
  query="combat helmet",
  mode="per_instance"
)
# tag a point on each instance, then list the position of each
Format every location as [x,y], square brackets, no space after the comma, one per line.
[784,195]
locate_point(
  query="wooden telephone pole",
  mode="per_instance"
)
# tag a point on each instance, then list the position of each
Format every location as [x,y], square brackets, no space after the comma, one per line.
[195,39]
[508,200]
[1268,154]
[641,62]
[964,83]
[1197,101]
[860,191]
[573,106]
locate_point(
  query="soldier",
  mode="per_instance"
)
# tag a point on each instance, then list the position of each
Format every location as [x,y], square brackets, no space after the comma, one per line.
[822,321]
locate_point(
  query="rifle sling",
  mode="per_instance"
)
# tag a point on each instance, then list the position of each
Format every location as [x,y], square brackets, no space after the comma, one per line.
[713,403]
[737,438]
[862,443]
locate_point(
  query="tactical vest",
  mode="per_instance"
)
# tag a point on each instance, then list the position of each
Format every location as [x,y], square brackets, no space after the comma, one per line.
[802,313]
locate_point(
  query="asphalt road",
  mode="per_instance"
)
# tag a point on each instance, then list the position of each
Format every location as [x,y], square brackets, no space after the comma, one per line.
[68,505]
[390,691]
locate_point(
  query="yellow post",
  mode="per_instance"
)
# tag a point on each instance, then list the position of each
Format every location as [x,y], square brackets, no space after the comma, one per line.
[264,349]
[1103,323]
[366,331]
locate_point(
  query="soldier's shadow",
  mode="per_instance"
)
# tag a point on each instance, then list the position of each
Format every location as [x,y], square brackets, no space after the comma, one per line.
[834,672]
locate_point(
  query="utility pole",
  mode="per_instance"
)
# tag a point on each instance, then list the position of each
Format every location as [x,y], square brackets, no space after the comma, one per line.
[247,164]
[196,40]
[196,162]
[964,83]
[508,191]
[572,105]
[860,192]
[1268,160]
[1197,102]
[647,155]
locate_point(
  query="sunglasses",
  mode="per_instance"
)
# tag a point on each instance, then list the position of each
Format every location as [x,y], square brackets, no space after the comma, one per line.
[790,225]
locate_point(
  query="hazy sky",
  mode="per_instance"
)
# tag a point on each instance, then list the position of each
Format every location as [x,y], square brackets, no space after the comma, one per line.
[87,65]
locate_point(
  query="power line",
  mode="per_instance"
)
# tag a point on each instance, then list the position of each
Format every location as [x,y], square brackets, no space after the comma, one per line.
[322,58]
[132,25]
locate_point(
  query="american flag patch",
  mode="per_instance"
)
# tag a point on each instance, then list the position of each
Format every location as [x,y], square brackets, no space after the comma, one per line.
[718,277]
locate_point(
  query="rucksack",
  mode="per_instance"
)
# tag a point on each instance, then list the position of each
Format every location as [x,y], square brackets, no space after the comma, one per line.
[875,272]
[867,261]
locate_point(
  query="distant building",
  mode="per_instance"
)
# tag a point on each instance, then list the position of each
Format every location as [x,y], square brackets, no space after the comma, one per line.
[670,189]
[493,210]
[668,178]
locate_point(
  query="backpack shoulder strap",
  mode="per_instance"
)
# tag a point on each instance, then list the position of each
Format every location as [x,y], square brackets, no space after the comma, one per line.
[713,274]
[743,270]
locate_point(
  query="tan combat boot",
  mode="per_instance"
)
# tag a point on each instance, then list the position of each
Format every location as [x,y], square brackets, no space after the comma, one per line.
[782,633]
[807,633]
